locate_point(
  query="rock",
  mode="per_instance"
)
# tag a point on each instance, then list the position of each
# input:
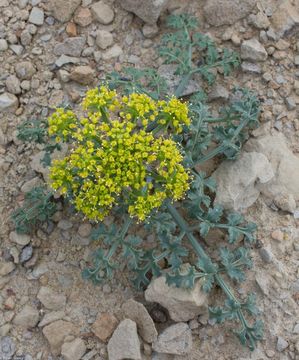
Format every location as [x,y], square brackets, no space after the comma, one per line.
[27,317]
[6,268]
[102,12]
[3,45]
[71,46]
[281,344]
[64,59]
[83,17]
[114,52]
[285,19]
[13,85]
[137,312]
[176,340]
[84,75]
[227,12]
[51,299]
[63,10]
[260,20]
[266,255]
[253,50]
[36,16]
[25,70]
[167,72]
[20,239]
[71,29]
[124,343]
[284,163]
[26,254]
[84,230]
[104,39]
[150,31]
[237,180]
[277,235]
[182,304]
[251,67]
[56,332]
[147,10]
[51,317]
[285,202]
[296,329]
[64,224]
[73,350]
[104,326]
[8,102]
[30,184]
[7,348]
[218,92]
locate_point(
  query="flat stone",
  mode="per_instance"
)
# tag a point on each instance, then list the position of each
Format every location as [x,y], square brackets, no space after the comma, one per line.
[176,340]
[84,75]
[64,59]
[114,52]
[8,102]
[51,299]
[102,12]
[182,304]
[27,318]
[71,46]
[51,317]
[36,16]
[63,10]
[73,350]
[124,343]
[227,12]
[251,67]
[104,326]
[56,332]
[104,39]
[147,10]
[253,50]
[138,313]
[20,239]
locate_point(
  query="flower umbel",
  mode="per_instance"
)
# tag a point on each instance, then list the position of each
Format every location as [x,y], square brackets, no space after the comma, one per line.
[114,159]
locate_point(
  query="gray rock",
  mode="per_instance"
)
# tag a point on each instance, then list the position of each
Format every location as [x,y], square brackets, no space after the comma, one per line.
[176,340]
[51,317]
[291,102]
[3,45]
[253,50]
[138,313]
[150,31]
[281,344]
[73,350]
[25,70]
[124,343]
[259,20]
[26,254]
[56,332]
[36,16]
[6,268]
[30,184]
[64,59]
[20,239]
[296,329]
[285,19]
[17,49]
[266,255]
[64,224]
[51,299]
[102,12]
[71,46]
[167,72]
[218,92]
[63,10]
[13,85]
[114,52]
[104,39]
[182,304]
[251,68]
[237,180]
[227,12]
[7,348]
[8,102]
[27,317]
[147,10]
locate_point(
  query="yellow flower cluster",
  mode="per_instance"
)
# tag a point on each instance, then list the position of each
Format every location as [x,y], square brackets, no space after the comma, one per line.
[61,124]
[114,159]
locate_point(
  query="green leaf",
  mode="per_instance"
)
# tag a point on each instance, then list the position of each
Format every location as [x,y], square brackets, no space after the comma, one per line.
[235,262]
[181,278]
[32,131]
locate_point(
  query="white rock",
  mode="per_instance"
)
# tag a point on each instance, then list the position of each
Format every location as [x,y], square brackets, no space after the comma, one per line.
[281,344]
[237,180]
[104,39]
[27,317]
[3,45]
[8,102]
[36,16]
[253,50]
[182,304]
[138,313]
[114,52]
[102,12]
[51,299]
[227,12]
[147,10]
[124,343]
[176,340]
[73,350]
[20,239]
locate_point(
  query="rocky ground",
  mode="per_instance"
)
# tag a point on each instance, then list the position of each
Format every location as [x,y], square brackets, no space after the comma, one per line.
[50,52]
